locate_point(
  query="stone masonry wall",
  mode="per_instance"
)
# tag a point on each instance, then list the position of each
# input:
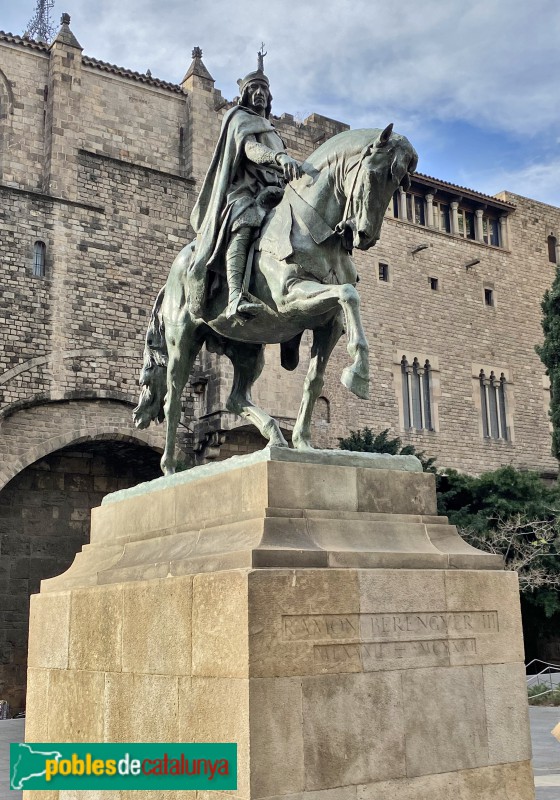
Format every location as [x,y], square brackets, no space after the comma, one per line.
[44,521]
[135,152]
[451,326]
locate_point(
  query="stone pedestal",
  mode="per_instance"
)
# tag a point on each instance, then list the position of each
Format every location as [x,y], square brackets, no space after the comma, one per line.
[316,613]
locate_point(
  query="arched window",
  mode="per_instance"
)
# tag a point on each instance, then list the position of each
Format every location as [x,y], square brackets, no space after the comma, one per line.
[39,257]
[322,410]
[493,405]
[551,241]
[417,394]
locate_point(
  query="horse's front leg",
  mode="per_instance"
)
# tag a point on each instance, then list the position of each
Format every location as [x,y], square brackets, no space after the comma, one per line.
[317,299]
[324,341]
[356,376]
[183,348]
[248,363]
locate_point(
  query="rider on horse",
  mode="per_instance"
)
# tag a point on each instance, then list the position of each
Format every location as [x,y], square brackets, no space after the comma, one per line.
[246,177]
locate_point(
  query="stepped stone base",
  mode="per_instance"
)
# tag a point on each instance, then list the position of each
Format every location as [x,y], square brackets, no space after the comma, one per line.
[339,680]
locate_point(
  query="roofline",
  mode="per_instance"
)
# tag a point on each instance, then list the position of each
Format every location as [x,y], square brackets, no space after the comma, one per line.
[23,41]
[94,62]
[453,188]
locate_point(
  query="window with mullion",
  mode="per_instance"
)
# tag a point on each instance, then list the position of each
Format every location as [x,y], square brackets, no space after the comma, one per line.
[493,406]
[416,389]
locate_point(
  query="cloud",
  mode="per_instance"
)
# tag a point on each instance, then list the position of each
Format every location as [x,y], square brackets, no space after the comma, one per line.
[489,62]
[491,65]
[534,180]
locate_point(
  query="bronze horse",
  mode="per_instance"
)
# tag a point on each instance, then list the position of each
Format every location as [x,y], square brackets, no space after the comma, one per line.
[302,276]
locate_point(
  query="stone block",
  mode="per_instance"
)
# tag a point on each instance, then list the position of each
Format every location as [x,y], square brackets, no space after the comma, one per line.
[254,490]
[157,794]
[445,719]
[37,718]
[507,713]
[217,710]
[196,503]
[311,486]
[428,787]
[220,646]
[353,729]
[75,708]
[486,591]
[133,518]
[276,727]
[341,793]
[395,492]
[415,590]
[519,781]
[156,628]
[96,617]
[94,794]
[49,622]
[292,610]
[500,782]
[140,708]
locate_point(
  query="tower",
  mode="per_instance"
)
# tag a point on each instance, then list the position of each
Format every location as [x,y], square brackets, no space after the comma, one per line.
[40,26]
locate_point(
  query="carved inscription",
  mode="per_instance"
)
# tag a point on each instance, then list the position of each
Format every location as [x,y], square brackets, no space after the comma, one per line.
[321,626]
[365,653]
[365,627]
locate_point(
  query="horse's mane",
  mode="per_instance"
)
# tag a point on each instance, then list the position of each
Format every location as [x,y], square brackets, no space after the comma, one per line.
[346,144]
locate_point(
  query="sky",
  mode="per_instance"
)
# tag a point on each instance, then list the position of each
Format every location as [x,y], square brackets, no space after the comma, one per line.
[474,84]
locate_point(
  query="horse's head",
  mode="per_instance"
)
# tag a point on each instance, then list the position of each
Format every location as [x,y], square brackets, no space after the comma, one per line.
[385,163]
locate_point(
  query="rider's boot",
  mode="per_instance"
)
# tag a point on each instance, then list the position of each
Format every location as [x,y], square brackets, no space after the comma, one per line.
[236,263]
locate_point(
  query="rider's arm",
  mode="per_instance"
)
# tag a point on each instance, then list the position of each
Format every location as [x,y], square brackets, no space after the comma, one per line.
[261,154]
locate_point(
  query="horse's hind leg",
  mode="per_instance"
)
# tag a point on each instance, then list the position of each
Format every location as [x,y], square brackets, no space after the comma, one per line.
[324,341]
[248,363]
[183,346]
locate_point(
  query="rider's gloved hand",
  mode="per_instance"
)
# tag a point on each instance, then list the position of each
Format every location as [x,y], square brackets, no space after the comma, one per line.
[290,167]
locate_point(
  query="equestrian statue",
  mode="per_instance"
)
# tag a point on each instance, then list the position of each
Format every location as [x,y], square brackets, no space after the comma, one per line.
[271,259]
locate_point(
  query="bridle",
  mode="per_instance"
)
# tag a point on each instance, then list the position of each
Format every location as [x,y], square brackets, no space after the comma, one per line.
[319,229]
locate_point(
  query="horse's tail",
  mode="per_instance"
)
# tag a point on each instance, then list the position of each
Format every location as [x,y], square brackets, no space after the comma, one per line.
[153,378]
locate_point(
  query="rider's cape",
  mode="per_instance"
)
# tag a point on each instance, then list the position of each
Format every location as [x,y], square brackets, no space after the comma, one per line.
[210,216]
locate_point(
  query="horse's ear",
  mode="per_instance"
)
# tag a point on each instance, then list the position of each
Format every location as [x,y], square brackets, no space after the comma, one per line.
[385,135]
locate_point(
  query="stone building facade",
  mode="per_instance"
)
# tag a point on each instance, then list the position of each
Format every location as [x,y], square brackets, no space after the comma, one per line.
[99,169]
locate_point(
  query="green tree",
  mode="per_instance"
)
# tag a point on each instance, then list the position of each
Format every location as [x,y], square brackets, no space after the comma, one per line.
[515,514]
[549,353]
[366,441]
[506,511]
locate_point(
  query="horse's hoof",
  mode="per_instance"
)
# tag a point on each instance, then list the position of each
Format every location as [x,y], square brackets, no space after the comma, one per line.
[168,469]
[302,445]
[356,383]
[278,443]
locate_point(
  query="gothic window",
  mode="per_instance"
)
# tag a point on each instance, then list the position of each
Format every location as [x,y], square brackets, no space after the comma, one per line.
[417,394]
[493,405]
[39,254]
[442,217]
[322,410]
[551,241]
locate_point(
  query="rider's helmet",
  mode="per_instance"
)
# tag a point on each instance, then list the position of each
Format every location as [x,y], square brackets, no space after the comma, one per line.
[257,76]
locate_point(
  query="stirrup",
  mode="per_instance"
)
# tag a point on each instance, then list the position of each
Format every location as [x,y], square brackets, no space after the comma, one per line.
[238,307]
